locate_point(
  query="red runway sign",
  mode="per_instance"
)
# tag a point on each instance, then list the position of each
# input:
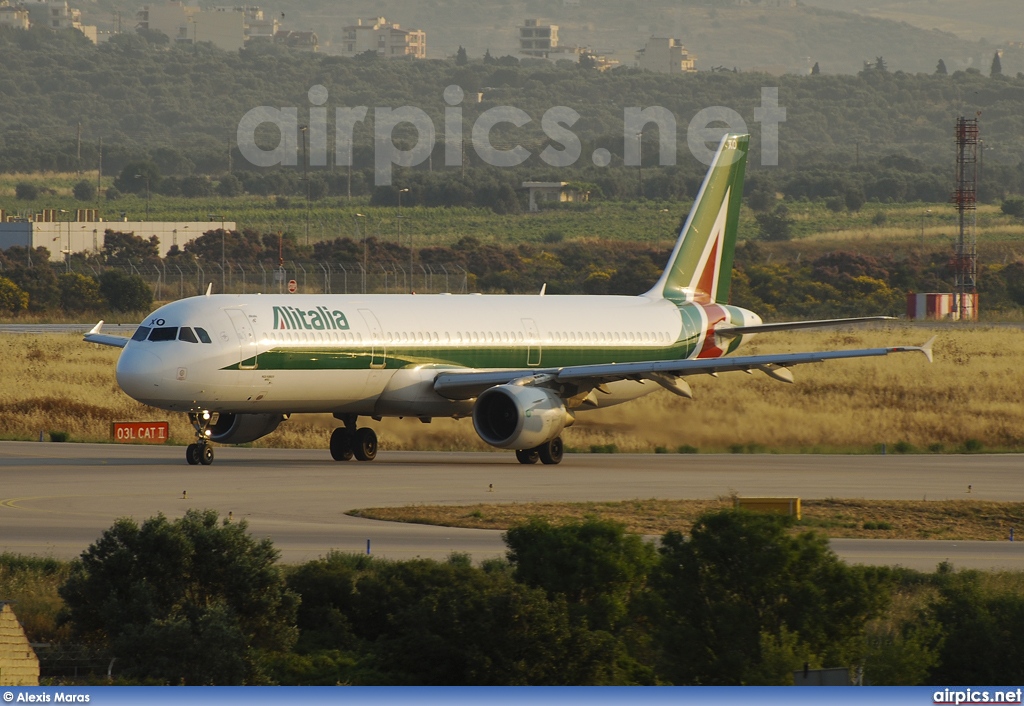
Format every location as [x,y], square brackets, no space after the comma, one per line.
[140,432]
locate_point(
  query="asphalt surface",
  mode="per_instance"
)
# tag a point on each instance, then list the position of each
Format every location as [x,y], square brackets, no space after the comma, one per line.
[55,499]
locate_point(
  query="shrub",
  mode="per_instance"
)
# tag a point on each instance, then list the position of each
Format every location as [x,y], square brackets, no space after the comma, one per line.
[84,190]
[25,191]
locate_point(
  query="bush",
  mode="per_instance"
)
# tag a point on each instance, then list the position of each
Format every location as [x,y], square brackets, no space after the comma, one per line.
[25,191]
[13,299]
[84,190]
[1013,207]
[125,292]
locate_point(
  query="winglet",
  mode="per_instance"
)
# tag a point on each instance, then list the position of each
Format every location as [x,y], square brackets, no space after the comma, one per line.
[925,348]
[98,328]
[209,289]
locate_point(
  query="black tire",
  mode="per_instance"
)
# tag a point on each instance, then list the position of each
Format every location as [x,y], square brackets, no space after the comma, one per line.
[206,454]
[341,444]
[551,452]
[192,454]
[527,456]
[365,446]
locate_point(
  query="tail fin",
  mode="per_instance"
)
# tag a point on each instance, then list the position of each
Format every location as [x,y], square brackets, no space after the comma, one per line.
[700,268]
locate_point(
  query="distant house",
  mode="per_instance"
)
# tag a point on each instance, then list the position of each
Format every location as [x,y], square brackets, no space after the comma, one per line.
[553,191]
[298,40]
[665,55]
[19,665]
[386,39]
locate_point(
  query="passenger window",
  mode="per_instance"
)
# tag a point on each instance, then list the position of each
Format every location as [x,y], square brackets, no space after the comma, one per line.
[185,334]
[203,335]
[141,333]
[164,333]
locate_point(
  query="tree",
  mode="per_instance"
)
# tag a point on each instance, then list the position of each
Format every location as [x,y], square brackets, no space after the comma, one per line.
[192,601]
[12,298]
[136,177]
[742,602]
[26,191]
[229,186]
[79,292]
[997,65]
[1013,207]
[84,190]
[594,564]
[815,70]
[125,292]
[775,225]
[461,59]
[880,64]
[940,69]
[123,249]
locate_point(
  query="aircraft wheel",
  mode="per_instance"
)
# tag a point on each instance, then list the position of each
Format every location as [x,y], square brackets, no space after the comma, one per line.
[341,444]
[365,447]
[206,455]
[552,451]
[527,456]
[192,454]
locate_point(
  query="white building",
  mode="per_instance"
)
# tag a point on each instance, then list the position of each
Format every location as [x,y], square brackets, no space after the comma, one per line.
[70,237]
[226,27]
[537,40]
[56,15]
[665,55]
[13,17]
[385,38]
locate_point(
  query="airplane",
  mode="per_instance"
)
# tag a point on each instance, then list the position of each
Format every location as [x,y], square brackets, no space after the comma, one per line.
[521,366]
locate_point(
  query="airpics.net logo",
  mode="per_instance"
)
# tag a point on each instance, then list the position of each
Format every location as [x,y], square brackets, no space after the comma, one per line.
[708,125]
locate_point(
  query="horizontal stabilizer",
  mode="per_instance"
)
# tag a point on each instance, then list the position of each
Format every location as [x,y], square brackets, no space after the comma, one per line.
[797,325]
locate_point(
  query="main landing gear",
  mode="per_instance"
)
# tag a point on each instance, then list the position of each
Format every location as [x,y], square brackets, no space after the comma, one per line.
[348,441]
[549,453]
[201,451]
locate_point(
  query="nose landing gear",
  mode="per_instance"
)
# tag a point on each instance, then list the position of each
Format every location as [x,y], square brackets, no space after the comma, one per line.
[201,451]
[348,441]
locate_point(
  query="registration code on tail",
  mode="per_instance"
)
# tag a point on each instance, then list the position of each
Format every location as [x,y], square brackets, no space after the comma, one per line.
[140,432]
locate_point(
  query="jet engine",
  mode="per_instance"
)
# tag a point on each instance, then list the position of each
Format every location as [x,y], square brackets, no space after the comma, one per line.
[243,428]
[519,417]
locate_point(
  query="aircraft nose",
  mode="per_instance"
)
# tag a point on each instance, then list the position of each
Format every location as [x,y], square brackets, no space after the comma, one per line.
[139,374]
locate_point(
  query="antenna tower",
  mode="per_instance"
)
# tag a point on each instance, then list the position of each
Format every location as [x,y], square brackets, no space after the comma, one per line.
[965,260]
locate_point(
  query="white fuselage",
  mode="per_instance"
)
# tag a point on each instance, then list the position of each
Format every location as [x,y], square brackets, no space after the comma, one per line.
[377,355]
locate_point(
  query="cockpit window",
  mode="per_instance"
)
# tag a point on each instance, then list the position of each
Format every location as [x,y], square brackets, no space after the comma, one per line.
[186,334]
[203,335]
[164,333]
[141,333]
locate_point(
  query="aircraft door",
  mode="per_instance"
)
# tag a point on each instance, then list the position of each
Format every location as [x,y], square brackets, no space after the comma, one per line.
[533,349]
[247,348]
[378,347]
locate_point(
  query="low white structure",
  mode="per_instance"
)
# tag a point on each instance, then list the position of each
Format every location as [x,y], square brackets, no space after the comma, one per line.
[557,191]
[67,237]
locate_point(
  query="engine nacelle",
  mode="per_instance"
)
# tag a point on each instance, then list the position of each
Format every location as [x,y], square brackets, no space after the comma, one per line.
[519,417]
[243,428]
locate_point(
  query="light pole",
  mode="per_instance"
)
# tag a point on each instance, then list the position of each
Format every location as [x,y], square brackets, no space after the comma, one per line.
[358,216]
[223,261]
[146,177]
[640,161]
[400,192]
[67,252]
[927,212]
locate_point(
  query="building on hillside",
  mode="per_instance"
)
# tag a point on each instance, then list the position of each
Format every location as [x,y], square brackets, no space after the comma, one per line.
[385,38]
[665,55]
[16,17]
[62,238]
[19,665]
[537,40]
[226,27]
[307,41]
[56,15]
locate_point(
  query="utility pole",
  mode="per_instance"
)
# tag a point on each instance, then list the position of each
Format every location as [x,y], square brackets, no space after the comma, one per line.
[305,175]
[400,192]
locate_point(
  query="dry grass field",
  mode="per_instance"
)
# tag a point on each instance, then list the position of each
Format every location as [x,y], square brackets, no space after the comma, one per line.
[874,519]
[969,399]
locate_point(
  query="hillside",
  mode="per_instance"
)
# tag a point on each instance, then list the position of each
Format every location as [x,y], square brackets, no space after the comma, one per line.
[779,39]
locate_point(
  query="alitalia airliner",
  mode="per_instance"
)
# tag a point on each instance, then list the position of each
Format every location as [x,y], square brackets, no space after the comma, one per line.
[522,367]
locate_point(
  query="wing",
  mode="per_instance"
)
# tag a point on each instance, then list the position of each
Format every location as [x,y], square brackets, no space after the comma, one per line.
[94,336]
[464,385]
